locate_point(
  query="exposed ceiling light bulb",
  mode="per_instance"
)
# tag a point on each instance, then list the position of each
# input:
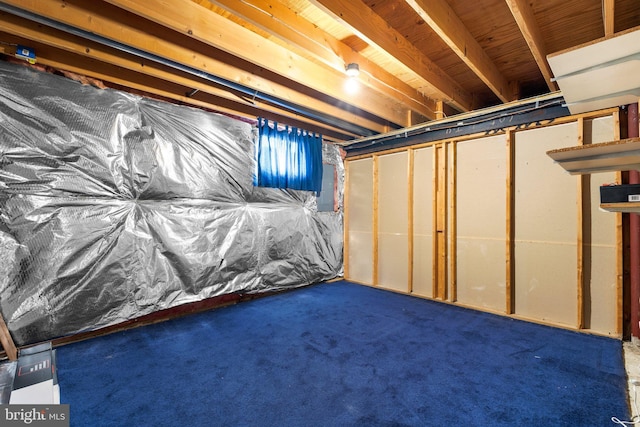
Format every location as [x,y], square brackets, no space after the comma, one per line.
[351,86]
[352,69]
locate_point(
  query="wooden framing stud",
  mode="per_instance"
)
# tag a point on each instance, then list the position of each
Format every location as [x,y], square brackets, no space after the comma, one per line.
[410,192]
[510,225]
[345,229]
[583,185]
[453,247]
[7,342]
[376,178]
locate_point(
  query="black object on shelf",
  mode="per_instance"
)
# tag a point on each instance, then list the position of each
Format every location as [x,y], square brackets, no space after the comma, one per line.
[620,193]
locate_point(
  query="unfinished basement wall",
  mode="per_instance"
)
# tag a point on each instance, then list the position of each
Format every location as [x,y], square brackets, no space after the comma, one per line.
[602,296]
[114,206]
[481,218]
[545,227]
[523,237]
[359,240]
[391,205]
[422,221]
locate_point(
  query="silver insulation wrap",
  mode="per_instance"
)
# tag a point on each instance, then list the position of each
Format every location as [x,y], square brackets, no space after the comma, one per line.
[114,206]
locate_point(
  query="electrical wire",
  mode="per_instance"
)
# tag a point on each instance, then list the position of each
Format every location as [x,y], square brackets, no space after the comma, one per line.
[636,418]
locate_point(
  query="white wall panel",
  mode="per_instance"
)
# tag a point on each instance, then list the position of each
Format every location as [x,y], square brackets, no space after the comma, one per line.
[360,213]
[393,200]
[545,227]
[481,218]
[423,222]
[601,297]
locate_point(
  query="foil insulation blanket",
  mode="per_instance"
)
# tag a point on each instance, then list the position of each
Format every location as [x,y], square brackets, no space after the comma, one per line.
[114,206]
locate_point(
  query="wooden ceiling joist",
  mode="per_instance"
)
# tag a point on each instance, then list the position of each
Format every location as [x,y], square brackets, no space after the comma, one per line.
[608,17]
[286,58]
[289,28]
[162,88]
[372,28]
[199,23]
[446,24]
[120,26]
[30,31]
[522,13]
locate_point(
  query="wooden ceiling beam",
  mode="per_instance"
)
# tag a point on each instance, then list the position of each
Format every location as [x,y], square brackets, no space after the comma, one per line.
[446,24]
[364,22]
[111,74]
[523,14]
[608,16]
[44,35]
[199,23]
[288,27]
[120,26]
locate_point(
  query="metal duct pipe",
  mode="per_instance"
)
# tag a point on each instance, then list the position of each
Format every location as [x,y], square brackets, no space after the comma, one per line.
[306,112]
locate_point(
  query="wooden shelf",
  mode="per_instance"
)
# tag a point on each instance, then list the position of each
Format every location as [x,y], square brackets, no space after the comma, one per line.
[627,207]
[603,157]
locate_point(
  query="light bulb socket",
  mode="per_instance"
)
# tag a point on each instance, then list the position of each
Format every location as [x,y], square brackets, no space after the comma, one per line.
[352,69]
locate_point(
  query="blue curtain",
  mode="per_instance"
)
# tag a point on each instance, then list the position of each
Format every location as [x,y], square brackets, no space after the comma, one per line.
[288,158]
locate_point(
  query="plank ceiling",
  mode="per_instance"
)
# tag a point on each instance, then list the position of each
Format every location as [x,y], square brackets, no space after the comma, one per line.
[285,59]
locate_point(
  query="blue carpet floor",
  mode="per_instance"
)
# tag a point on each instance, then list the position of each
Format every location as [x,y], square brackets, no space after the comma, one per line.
[342,354]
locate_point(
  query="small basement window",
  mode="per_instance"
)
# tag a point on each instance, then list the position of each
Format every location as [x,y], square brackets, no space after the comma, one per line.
[288,158]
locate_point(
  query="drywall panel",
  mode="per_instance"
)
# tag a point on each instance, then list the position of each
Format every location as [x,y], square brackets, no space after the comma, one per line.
[360,187]
[393,262]
[393,199]
[360,257]
[481,218]
[599,130]
[601,296]
[545,217]
[601,293]
[545,284]
[423,222]
[393,192]
[359,210]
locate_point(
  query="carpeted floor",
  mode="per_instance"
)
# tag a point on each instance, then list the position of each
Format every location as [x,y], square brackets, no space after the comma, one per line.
[342,354]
